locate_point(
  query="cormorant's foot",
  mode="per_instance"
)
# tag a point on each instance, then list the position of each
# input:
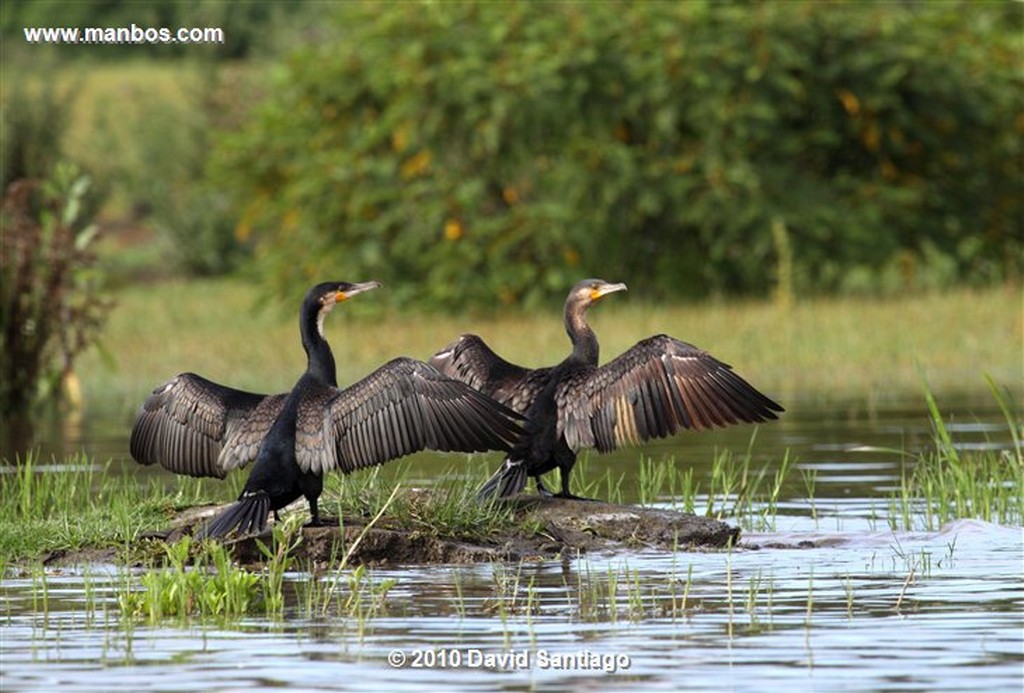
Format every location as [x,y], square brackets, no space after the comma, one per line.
[572,496]
[542,489]
[323,522]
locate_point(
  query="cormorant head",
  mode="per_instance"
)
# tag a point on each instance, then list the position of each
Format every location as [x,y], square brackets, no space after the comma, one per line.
[589,291]
[324,296]
[329,293]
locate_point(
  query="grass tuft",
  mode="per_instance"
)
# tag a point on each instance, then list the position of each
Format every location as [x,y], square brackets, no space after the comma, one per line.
[449,508]
[71,505]
[946,483]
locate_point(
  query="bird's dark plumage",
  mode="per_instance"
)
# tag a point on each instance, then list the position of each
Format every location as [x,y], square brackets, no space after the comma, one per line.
[193,426]
[654,389]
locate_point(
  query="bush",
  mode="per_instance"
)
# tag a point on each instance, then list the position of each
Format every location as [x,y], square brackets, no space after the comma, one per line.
[474,153]
[51,305]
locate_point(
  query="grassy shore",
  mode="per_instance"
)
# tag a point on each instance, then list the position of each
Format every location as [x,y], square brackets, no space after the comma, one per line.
[85,506]
[848,348]
[843,349]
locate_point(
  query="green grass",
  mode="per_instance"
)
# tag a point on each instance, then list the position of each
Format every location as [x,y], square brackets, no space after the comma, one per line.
[946,483]
[828,349]
[84,505]
[79,504]
[448,509]
[71,506]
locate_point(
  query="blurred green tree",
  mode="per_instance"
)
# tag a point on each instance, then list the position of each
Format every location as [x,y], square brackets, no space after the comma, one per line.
[487,153]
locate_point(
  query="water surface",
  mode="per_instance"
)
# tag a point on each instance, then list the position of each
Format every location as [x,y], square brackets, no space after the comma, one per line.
[829,597]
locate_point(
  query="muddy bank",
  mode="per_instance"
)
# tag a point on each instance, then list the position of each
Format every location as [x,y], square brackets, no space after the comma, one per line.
[544,528]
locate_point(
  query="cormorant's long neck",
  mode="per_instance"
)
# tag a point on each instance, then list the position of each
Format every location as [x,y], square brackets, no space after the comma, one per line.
[584,342]
[318,352]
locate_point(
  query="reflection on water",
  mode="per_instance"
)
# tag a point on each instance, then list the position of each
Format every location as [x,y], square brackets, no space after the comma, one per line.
[932,611]
[830,599]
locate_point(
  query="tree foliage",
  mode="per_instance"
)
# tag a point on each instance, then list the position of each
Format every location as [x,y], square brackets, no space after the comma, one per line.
[51,301]
[496,152]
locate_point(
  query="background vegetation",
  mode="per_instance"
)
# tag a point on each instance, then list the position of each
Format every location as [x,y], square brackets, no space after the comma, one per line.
[483,153]
[820,351]
[51,306]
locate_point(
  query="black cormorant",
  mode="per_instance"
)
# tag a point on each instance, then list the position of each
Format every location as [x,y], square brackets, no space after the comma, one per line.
[652,390]
[193,426]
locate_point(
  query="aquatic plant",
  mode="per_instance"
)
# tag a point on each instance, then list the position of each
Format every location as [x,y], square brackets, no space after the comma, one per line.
[750,495]
[946,483]
[196,581]
[660,479]
[605,487]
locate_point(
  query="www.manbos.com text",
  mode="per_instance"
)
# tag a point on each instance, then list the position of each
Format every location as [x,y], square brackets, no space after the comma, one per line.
[122,35]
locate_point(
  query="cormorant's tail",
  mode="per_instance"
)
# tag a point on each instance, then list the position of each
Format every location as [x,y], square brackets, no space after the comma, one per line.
[509,480]
[248,515]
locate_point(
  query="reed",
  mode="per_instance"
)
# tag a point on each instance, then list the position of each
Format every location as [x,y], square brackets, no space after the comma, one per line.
[661,479]
[946,483]
[752,604]
[745,492]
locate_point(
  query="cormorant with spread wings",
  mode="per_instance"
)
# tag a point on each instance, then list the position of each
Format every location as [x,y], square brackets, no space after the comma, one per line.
[652,390]
[193,426]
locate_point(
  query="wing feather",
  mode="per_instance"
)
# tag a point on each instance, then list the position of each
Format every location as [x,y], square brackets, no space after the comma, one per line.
[191,425]
[469,360]
[656,388]
[314,446]
[406,406]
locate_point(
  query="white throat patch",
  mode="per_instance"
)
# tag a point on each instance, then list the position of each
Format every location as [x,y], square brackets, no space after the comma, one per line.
[320,318]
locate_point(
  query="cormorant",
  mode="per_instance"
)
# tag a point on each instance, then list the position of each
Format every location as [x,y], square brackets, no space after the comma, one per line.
[193,426]
[652,390]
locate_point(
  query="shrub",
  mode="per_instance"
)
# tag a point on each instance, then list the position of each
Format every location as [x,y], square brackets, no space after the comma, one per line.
[475,153]
[51,305]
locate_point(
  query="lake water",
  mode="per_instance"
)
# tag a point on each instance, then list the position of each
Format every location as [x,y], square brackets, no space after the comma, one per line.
[830,599]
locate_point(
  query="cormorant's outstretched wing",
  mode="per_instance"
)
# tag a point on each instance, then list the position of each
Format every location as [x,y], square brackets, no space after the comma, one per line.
[191,425]
[654,389]
[403,407]
[470,360]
